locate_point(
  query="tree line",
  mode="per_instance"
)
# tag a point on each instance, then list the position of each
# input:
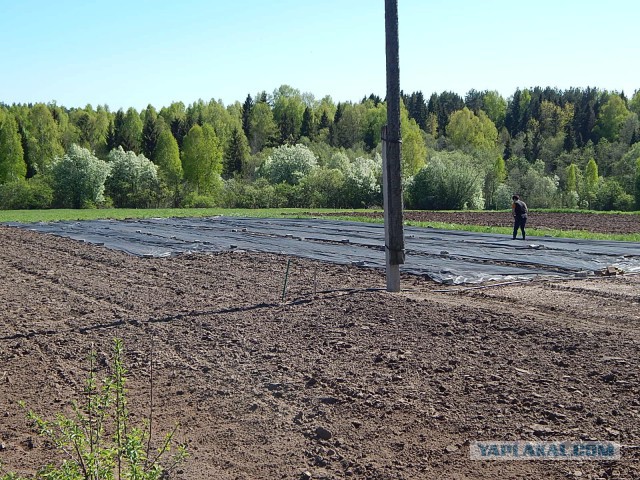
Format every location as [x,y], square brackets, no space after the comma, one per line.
[577,148]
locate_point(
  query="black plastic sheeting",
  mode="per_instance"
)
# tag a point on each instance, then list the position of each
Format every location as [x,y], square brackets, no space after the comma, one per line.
[445,256]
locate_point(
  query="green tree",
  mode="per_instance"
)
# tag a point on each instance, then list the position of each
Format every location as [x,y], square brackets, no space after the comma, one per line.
[637,184]
[611,119]
[445,104]
[288,110]
[417,108]
[495,106]
[92,128]
[536,188]
[12,164]
[24,194]
[236,154]
[414,149]
[289,164]
[78,179]
[167,157]
[133,180]
[634,103]
[362,182]
[448,182]
[115,126]
[247,106]
[67,132]
[469,132]
[175,118]
[611,196]
[308,128]
[262,127]
[323,188]
[573,180]
[495,176]
[223,122]
[130,133]
[202,158]
[375,116]
[349,125]
[150,132]
[43,139]
[591,179]
[571,184]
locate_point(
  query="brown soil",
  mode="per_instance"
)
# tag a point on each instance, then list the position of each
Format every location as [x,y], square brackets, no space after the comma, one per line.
[590,222]
[400,381]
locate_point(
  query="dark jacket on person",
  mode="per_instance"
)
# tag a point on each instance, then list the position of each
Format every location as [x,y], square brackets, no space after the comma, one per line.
[520,209]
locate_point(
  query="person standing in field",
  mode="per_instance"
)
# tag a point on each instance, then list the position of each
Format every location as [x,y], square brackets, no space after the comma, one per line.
[519,210]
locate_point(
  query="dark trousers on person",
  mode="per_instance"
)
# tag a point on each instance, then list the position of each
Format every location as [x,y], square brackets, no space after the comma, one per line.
[519,223]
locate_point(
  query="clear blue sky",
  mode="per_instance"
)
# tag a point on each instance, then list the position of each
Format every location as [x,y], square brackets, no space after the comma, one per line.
[134,52]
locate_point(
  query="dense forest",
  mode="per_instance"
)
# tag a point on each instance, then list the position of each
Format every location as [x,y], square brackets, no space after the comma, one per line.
[577,148]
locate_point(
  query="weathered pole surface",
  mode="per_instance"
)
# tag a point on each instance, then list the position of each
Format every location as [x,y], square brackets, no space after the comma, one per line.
[392,180]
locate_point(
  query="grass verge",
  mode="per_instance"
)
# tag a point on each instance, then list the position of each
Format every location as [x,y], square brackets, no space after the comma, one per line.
[32,216]
[536,232]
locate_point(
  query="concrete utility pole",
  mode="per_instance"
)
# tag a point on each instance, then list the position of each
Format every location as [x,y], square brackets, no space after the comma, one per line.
[391,142]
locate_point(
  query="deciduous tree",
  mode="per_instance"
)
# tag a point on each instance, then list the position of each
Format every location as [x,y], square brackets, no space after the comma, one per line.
[167,157]
[202,158]
[12,164]
[263,128]
[43,139]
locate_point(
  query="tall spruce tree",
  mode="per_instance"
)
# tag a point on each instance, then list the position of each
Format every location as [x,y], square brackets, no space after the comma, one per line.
[237,153]
[247,106]
[150,133]
[114,139]
[308,128]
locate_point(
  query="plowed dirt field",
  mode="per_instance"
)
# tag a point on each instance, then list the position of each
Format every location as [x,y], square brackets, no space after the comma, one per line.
[338,381]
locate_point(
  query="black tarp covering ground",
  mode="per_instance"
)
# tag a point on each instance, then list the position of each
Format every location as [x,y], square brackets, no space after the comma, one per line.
[443,255]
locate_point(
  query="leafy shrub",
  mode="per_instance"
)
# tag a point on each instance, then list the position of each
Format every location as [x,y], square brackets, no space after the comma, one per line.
[259,194]
[536,189]
[611,196]
[21,194]
[133,181]
[288,164]
[502,197]
[448,182]
[99,441]
[196,200]
[338,160]
[193,198]
[323,187]
[78,179]
[363,182]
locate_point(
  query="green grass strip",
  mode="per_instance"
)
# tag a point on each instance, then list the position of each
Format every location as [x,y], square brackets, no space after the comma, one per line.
[54,215]
[538,232]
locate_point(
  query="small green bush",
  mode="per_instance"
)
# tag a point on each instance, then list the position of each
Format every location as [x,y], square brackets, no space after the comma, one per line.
[195,200]
[611,196]
[32,194]
[446,183]
[99,441]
